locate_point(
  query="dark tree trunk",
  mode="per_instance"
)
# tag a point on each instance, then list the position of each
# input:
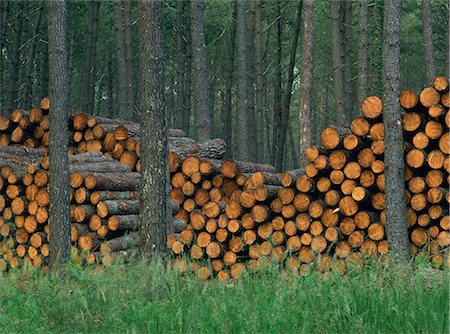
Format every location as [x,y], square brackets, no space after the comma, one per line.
[252,123]
[338,65]
[15,57]
[155,211]
[122,92]
[427,32]
[285,125]
[363,51]
[59,162]
[181,65]
[129,59]
[227,114]
[89,58]
[259,82]
[3,11]
[187,89]
[242,86]
[306,72]
[348,57]
[28,80]
[112,111]
[277,150]
[397,231]
[201,88]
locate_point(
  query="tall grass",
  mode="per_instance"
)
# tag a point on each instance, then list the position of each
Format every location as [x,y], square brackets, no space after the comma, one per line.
[139,299]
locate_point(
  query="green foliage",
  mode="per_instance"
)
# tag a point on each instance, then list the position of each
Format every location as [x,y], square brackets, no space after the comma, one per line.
[140,299]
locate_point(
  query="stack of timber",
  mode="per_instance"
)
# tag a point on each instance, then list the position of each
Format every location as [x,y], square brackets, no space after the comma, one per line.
[331,213]
[231,216]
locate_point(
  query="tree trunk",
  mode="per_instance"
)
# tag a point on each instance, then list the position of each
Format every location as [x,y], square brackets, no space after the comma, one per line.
[363,51]
[15,57]
[89,58]
[201,88]
[28,80]
[227,114]
[348,57]
[277,150]
[187,92]
[242,94]
[155,211]
[338,72]
[285,125]
[3,11]
[181,65]
[397,231]
[123,104]
[427,31]
[59,213]
[259,82]
[129,59]
[252,120]
[306,72]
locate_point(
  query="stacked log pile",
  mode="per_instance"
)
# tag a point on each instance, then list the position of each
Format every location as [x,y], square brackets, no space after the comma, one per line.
[230,216]
[332,212]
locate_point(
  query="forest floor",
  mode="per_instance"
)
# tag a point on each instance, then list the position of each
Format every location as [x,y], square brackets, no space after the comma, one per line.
[137,299]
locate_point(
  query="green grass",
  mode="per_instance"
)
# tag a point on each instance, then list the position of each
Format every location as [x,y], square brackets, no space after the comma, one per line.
[137,299]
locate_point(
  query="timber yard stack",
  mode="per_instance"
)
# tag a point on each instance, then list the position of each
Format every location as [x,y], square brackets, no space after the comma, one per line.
[230,216]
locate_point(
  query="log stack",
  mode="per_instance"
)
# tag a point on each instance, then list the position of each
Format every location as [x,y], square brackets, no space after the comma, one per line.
[231,216]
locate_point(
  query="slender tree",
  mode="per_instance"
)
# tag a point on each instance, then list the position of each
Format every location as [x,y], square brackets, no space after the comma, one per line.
[277,150]
[347,47]
[28,82]
[252,123]
[155,178]
[290,81]
[227,105]
[201,88]
[15,57]
[306,72]
[89,57]
[58,145]
[259,80]
[187,87]
[363,51]
[129,58]
[3,8]
[427,31]
[181,64]
[122,93]
[242,94]
[338,65]
[397,231]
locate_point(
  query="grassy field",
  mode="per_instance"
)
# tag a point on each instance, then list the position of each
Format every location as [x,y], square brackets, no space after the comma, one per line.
[136,299]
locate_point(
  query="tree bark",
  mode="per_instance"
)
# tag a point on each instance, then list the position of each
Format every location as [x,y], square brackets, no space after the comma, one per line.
[242,94]
[259,82]
[155,211]
[363,51]
[397,231]
[227,114]
[348,57]
[252,120]
[187,92]
[59,213]
[123,104]
[338,72]
[28,82]
[181,65]
[277,150]
[15,57]
[427,31]
[304,119]
[201,88]
[285,125]
[129,59]
[89,58]
[3,11]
